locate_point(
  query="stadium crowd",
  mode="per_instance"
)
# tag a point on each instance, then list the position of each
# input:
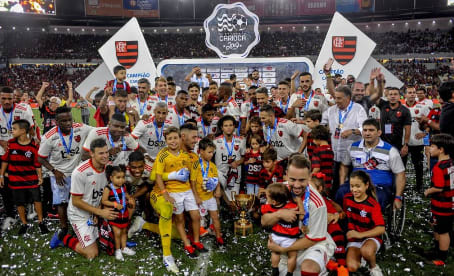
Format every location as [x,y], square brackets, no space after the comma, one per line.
[170,45]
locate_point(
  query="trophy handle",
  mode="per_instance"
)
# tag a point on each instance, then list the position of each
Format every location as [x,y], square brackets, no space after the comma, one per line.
[252,201]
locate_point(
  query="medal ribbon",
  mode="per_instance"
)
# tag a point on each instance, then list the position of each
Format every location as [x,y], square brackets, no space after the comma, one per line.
[205,133]
[342,118]
[9,121]
[180,118]
[141,109]
[286,106]
[117,198]
[308,102]
[306,206]
[68,149]
[158,136]
[223,109]
[114,88]
[229,151]
[204,172]
[269,134]
[112,142]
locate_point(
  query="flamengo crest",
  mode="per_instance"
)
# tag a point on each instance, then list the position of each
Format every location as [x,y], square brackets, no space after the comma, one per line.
[127,52]
[344,48]
[232,30]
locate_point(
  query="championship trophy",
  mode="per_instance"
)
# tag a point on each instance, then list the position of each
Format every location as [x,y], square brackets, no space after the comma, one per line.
[244,203]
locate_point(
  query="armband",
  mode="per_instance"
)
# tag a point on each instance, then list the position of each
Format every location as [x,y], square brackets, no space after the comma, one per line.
[398,198]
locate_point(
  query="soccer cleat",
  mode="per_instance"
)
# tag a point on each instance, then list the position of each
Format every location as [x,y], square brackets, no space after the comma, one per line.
[220,242]
[190,251]
[42,226]
[211,230]
[128,251]
[375,271]
[203,232]
[7,223]
[199,247]
[136,226]
[55,241]
[438,262]
[53,216]
[119,255]
[170,265]
[23,229]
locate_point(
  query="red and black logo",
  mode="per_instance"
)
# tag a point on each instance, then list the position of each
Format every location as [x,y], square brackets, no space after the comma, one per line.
[237,147]
[77,138]
[127,52]
[344,48]
[280,133]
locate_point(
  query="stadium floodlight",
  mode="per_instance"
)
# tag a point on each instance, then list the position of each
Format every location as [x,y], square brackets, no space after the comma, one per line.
[450,20]
[269,28]
[406,23]
[107,30]
[190,29]
[28,29]
[155,30]
[367,26]
[68,30]
[317,27]
[419,22]
[143,30]
[43,30]
[14,27]
[165,30]
[392,24]
[0,27]
[280,27]
[55,29]
[83,30]
[378,25]
[433,22]
[201,29]
[92,30]
[178,30]
[293,27]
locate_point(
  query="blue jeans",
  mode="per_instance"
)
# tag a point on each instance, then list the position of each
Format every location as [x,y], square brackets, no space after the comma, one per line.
[252,189]
[384,194]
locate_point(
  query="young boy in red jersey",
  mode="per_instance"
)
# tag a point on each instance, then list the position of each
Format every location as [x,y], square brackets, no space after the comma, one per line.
[24,173]
[323,156]
[442,194]
[272,172]
[312,118]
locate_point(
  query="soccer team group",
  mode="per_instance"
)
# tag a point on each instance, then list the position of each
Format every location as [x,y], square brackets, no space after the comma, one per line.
[323,166]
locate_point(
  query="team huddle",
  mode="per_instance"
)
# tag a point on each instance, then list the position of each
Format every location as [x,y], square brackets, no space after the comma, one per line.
[324,167]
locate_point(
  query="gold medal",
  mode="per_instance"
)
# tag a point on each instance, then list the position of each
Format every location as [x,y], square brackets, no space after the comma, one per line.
[341,126]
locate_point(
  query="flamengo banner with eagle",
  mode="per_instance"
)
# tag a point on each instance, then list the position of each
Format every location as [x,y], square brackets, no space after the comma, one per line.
[347,45]
[128,47]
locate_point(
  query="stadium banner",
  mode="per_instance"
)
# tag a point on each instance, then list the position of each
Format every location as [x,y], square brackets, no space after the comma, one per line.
[271,70]
[128,47]
[98,78]
[232,30]
[349,6]
[391,79]
[271,8]
[124,8]
[30,7]
[347,45]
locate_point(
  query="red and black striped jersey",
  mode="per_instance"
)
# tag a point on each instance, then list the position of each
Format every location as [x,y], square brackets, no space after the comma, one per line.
[310,145]
[323,158]
[121,220]
[362,216]
[123,85]
[442,203]
[253,169]
[283,228]
[267,178]
[22,163]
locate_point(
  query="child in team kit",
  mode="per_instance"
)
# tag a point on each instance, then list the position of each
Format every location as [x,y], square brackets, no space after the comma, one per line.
[323,156]
[204,182]
[312,119]
[272,172]
[283,233]
[20,161]
[365,223]
[441,193]
[118,83]
[253,164]
[115,195]
[255,128]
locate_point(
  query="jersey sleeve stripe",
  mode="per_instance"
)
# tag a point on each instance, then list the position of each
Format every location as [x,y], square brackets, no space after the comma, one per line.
[77,194]
[315,239]
[85,149]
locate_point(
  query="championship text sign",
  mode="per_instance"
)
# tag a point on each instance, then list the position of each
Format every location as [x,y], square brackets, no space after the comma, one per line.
[232,30]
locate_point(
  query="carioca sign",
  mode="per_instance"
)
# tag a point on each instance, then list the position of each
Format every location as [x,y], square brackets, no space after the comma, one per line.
[232,30]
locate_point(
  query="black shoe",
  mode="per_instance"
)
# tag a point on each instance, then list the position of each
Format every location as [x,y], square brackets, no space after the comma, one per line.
[23,229]
[43,228]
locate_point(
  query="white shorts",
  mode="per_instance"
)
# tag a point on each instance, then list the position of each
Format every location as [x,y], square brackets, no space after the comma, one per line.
[282,241]
[360,244]
[86,235]
[317,253]
[208,205]
[60,193]
[234,184]
[184,201]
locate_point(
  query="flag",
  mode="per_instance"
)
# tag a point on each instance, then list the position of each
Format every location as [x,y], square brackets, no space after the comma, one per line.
[128,47]
[98,78]
[347,45]
[372,63]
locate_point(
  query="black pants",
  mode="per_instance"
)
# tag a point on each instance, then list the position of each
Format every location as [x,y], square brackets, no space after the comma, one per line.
[417,158]
[7,197]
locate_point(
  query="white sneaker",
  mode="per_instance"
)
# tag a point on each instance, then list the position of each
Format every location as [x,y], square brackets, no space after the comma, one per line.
[128,251]
[7,223]
[375,271]
[363,262]
[169,263]
[136,226]
[119,255]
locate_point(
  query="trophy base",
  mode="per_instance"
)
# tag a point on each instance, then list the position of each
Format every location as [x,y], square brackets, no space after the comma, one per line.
[243,229]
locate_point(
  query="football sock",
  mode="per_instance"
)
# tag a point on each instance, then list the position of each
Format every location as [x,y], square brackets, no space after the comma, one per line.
[70,242]
[275,271]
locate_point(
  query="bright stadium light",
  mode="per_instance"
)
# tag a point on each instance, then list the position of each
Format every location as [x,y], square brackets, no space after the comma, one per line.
[143,30]
[68,30]
[83,30]
[14,27]
[317,27]
[165,30]
[433,22]
[28,29]
[0,27]
[43,29]
[92,30]
[155,30]
[201,29]
[450,21]
[55,29]
[406,23]
[419,22]
[392,24]
[269,28]
[190,29]
[107,30]
[378,25]
[178,30]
